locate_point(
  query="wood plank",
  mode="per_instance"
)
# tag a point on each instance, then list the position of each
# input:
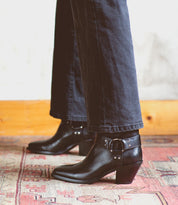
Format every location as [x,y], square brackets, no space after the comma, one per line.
[160,117]
[32,118]
[26,118]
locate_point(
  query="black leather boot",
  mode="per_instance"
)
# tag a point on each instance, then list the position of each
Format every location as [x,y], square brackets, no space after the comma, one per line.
[123,155]
[66,138]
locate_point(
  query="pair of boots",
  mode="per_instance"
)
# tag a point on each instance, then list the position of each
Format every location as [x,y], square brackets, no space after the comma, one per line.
[120,152]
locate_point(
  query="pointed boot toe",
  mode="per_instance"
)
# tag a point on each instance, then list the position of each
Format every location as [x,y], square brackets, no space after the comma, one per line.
[107,155]
[66,138]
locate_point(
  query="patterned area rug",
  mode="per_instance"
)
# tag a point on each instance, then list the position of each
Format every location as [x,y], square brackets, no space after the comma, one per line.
[25,177]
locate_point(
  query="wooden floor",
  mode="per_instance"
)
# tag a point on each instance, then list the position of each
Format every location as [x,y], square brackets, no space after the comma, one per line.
[20,118]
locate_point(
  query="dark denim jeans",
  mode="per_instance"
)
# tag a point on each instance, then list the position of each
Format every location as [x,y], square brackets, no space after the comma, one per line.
[94,76]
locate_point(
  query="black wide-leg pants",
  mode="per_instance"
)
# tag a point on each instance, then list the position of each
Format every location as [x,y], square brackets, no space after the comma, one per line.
[94,76]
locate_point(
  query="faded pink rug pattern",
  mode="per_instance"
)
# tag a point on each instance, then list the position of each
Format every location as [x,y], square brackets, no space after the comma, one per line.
[25,178]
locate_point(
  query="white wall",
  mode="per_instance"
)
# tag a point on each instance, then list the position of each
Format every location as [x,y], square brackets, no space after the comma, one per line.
[155,35]
[26,48]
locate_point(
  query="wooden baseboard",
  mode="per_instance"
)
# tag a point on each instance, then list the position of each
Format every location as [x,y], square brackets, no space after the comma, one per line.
[32,118]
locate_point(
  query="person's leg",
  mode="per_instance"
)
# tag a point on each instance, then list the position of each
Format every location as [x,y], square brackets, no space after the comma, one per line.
[67,100]
[107,65]
[111,93]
